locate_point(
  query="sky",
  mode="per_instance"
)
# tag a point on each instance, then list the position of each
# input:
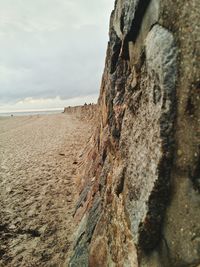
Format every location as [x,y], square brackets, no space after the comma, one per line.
[52,52]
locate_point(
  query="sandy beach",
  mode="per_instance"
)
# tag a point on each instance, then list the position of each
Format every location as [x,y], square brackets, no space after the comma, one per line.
[37,188]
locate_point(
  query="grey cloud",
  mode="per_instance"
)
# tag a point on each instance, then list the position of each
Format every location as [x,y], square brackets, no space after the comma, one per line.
[52,48]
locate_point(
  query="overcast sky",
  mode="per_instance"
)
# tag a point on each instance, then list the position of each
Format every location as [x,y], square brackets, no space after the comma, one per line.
[51,50]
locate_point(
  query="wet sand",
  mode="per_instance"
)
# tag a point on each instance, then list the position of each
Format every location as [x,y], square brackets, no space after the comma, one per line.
[37,188]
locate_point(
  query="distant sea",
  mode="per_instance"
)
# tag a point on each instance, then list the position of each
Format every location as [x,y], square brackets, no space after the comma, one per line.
[28,113]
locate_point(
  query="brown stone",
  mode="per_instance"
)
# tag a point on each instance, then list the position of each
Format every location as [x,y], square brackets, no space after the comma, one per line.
[146,144]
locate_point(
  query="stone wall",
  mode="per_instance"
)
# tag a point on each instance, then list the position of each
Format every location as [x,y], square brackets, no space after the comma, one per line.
[139,202]
[86,112]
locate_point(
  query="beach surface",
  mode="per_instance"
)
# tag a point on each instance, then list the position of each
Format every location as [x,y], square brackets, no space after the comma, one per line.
[37,188]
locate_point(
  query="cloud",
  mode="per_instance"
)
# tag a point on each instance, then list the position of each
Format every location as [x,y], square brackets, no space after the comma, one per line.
[52,48]
[36,104]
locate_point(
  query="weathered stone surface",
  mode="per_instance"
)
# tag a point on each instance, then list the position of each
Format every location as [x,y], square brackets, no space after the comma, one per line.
[150,140]
[141,202]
